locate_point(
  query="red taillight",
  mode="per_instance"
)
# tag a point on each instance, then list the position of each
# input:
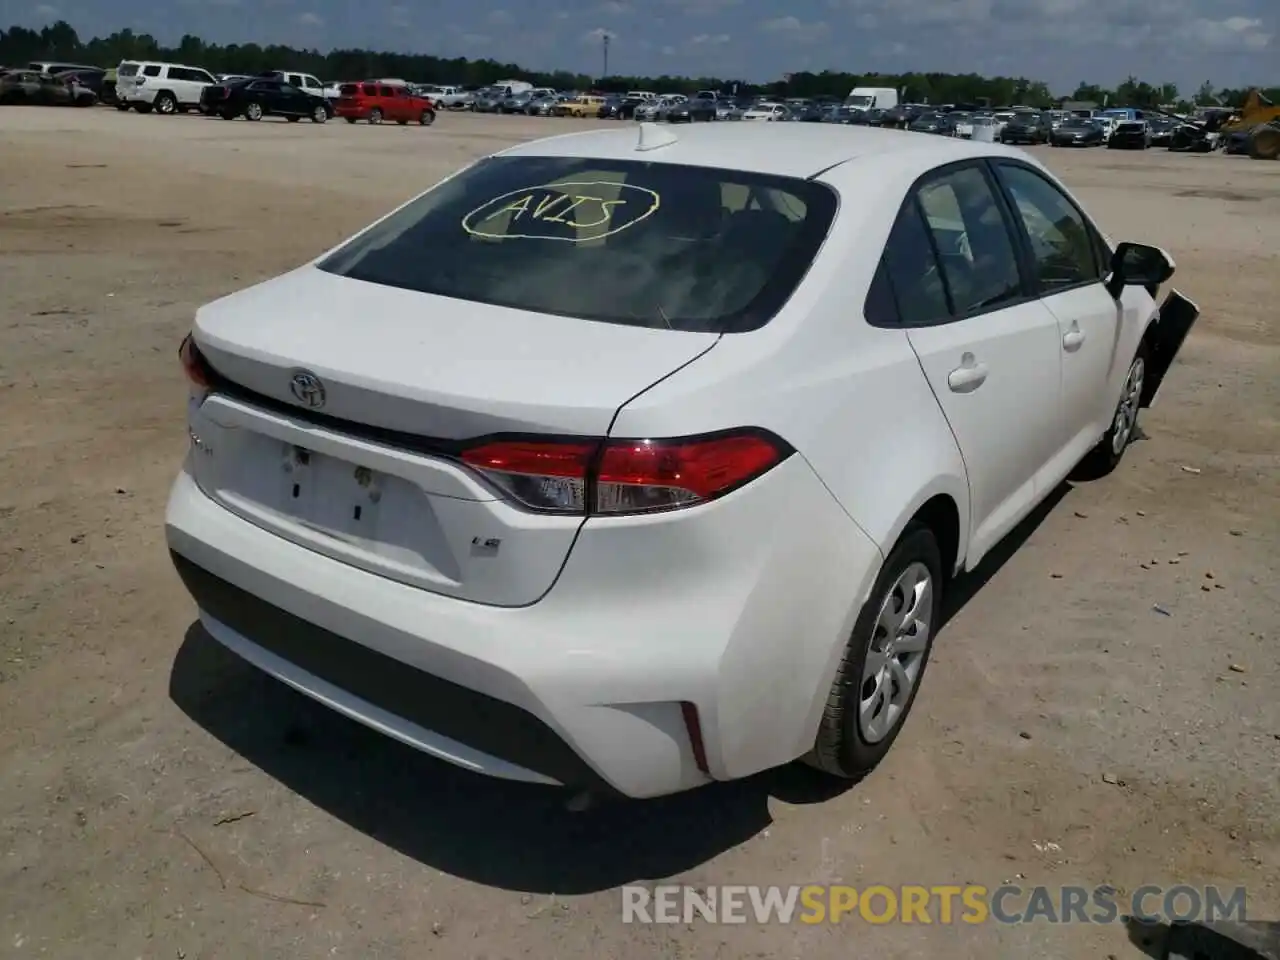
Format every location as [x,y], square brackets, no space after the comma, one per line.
[545,476]
[194,365]
[625,476]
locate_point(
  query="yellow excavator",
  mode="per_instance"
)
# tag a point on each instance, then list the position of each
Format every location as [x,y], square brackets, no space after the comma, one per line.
[1258,119]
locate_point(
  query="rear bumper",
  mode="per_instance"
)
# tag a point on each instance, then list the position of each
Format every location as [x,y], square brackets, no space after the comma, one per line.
[741,611]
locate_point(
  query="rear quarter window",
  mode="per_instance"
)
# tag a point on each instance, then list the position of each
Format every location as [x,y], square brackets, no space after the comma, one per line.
[153,70]
[127,70]
[644,244]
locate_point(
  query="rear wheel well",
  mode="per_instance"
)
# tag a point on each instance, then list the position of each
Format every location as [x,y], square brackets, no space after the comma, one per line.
[942,517]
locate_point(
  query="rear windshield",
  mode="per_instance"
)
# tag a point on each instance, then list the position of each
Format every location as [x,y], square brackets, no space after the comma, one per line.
[647,244]
[127,70]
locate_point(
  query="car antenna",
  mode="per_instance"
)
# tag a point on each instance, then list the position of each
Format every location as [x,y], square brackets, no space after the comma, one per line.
[653,137]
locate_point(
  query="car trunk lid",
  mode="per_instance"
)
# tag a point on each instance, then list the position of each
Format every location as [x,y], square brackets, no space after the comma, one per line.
[340,409]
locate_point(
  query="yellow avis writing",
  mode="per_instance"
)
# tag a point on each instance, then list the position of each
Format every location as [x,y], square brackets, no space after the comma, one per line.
[532,213]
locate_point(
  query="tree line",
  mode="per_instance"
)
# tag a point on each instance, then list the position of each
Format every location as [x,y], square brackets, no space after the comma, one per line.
[59,41]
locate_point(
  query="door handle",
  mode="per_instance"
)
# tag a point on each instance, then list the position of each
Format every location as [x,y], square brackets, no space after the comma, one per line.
[1073,339]
[967,377]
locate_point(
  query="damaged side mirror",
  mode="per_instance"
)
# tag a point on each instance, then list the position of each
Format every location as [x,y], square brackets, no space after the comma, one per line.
[1138,265]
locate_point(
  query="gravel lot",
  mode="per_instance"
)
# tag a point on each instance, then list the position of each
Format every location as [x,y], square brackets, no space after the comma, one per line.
[1063,708]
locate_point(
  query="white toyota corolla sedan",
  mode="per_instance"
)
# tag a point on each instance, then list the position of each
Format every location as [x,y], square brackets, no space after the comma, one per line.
[632,460]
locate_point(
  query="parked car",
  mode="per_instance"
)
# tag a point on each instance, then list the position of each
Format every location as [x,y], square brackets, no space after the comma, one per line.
[696,109]
[961,124]
[90,84]
[625,108]
[587,105]
[649,110]
[375,101]
[937,123]
[810,113]
[1130,135]
[305,82]
[261,97]
[544,106]
[767,111]
[55,67]
[1077,132]
[488,100]
[583,575]
[1161,131]
[28,88]
[167,88]
[446,97]
[1107,125]
[727,109]
[516,102]
[1026,128]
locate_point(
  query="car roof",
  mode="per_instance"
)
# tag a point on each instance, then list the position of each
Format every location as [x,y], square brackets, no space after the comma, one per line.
[806,150]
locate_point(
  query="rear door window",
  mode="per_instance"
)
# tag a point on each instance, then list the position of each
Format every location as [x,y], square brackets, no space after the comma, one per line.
[645,244]
[370,89]
[974,246]
[151,70]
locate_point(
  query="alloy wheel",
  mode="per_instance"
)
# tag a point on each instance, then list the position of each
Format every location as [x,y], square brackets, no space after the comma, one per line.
[1130,403]
[895,654]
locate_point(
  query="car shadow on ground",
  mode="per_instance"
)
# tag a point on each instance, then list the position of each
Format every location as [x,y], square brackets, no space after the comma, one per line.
[966,586]
[509,835]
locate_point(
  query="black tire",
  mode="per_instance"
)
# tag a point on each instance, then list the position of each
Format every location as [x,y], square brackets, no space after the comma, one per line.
[320,114]
[841,748]
[227,115]
[165,103]
[254,111]
[351,119]
[293,119]
[1106,456]
[403,123]
[143,108]
[375,116]
[122,107]
[428,118]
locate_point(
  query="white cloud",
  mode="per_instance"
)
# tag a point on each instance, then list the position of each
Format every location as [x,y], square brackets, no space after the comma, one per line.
[500,18]
[710,39]
[598,35]
[476,39]
[613,7]
[310,19]
[794,29]
[668,51]
[45,12]
[1233,33]
[398,16]
[703,8]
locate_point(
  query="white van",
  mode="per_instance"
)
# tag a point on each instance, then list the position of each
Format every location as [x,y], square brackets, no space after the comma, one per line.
[512,87]
[148,85]
[872,98]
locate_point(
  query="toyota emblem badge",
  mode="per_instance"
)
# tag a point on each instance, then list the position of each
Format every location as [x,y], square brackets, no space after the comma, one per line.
[307,389]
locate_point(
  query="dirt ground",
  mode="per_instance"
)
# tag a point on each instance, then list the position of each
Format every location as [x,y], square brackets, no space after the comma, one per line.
[1102,707]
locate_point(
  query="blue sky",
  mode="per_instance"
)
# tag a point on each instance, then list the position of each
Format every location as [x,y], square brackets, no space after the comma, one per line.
[1231,42]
